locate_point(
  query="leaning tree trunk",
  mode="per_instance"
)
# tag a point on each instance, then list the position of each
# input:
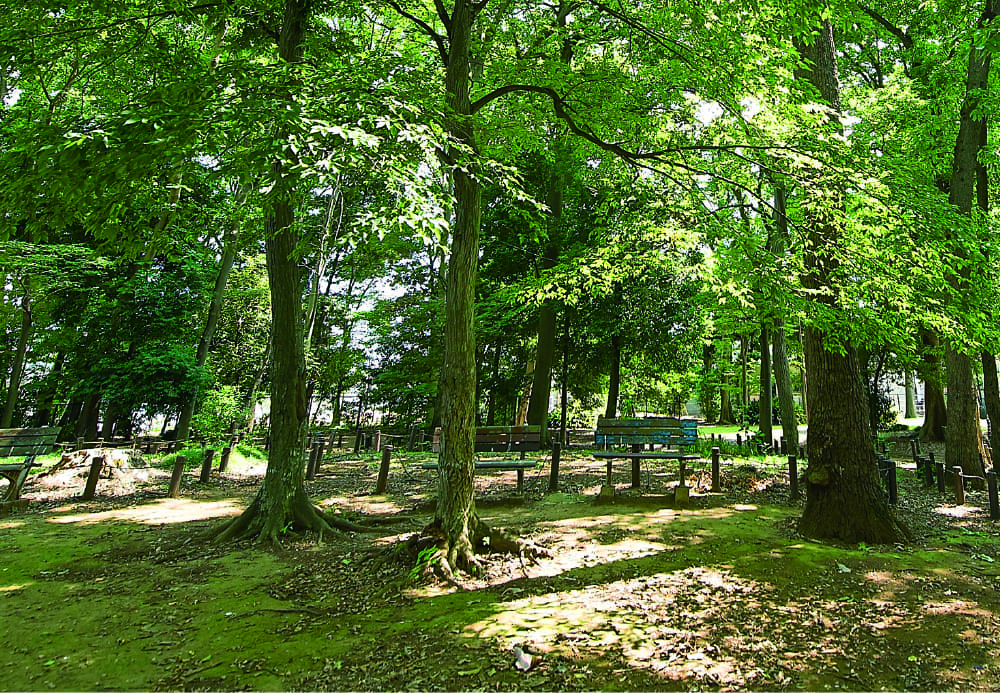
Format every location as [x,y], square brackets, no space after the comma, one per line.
[843,497]
[963,436]
[229,246]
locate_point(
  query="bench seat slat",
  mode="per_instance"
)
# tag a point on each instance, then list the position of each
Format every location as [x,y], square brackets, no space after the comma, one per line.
[15,442]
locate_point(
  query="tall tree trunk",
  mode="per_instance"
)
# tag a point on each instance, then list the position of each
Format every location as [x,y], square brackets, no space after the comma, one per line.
[991,399]
[765,403]
[20,352]
[229,246]
[46,399]
[910,409]
[783,381]
[455,515]
[491,403]
[991,386]
[541,383]
[282,501]
[935,411]
[614,384]
[564,405]
[525,397]
[744,383]
[963,435]
[538,408]
[726,415]
[843,497]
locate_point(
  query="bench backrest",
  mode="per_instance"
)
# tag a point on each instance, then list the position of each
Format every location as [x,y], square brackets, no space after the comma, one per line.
[501,439]
[660,430]
[16,442]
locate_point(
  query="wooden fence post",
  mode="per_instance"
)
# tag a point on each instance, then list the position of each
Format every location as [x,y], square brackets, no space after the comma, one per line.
[383,470]
[206,466]
[991,485]
[793,478]
[92,478]
[175,479]
[554,471]
[893,483]
[940,477]
[224,459]
[716,483]
[959,486]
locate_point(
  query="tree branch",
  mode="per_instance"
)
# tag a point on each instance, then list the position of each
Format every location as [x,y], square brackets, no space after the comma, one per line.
[904,38]
[425,27]
[443,15]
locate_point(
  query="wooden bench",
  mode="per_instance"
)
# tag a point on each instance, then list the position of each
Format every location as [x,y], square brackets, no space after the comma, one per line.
[666,431]
[15,442]
[509,439]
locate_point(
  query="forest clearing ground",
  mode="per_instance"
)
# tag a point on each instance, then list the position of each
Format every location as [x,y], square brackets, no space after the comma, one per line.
[124,593]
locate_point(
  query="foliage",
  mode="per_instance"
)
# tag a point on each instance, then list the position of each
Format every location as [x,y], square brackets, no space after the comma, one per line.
[219,407]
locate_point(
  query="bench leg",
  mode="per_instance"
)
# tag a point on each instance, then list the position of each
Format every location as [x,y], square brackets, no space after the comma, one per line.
[636,472]
[520,481]
[13,492]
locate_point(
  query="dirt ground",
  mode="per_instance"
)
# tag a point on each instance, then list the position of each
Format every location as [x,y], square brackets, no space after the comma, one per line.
[124,593]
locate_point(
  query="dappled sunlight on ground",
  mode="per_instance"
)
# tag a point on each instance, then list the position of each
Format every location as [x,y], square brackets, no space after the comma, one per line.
[158,512]
[959,510]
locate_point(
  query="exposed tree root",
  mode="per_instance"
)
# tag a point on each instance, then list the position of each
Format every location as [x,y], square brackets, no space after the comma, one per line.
[432,554]
[269,525]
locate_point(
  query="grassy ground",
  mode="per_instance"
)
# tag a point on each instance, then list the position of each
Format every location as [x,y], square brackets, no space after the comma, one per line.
[124,593]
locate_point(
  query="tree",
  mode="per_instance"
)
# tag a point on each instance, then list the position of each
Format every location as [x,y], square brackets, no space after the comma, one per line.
[963,438]
[843,496]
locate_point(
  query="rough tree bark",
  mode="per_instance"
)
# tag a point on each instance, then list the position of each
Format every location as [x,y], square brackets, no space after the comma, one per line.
[538,408]
[615,379]
[935,411]
[963,435]
[282,503]
[991,385]
[779,342]
[765,404]
[783,381]
[843,497]
[726,415]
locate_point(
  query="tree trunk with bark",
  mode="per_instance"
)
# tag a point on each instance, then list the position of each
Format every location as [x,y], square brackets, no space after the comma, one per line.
[843,497]
[991,399]
[281,501]
[783,381]
[963,435]
[935,411]
[615,380]
[17,367]
[765,403]
[910,408]
[726,415]
[229,247]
